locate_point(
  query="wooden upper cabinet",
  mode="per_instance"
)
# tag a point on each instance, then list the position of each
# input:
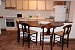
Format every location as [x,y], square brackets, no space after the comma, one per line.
[13,3]
[41,5]
[7,3]
[19,4]
[32,5]
[49,5]
[25,4]
[59,2]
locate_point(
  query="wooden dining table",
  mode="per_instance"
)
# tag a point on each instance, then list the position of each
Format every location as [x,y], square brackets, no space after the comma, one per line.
[37,24]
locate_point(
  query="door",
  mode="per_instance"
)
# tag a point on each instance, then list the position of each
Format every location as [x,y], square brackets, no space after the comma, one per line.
[60,13]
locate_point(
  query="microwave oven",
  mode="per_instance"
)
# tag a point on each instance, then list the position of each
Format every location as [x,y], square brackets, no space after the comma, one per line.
[19,15]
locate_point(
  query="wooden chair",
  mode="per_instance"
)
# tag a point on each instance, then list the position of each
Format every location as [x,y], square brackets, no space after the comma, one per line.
[28,33]
[18,31]
[47,33]
[61,34]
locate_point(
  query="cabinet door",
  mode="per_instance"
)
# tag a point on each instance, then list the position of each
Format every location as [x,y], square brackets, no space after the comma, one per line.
[19,4]
[49,5]
[59,2]
[32,5]
[13,3]
[25,5]
[41,5]
[7,3]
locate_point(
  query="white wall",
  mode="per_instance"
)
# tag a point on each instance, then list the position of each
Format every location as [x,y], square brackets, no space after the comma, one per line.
[72,34]
[68,7]
[2,20]
[71,14]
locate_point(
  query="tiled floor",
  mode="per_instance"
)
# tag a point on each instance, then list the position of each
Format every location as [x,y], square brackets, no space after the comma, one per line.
[8,41]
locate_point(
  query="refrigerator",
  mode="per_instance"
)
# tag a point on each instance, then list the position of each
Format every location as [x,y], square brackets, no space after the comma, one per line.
[60,13]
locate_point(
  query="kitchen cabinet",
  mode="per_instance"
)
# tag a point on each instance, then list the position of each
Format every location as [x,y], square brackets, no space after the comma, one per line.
[32,5]
[41,5]
[49,5]
[19,4]
[13,3]
[10,4]
[7,3]
[59,2]
[25,4]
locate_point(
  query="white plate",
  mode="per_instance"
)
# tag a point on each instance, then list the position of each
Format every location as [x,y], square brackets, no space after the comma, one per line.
[44,22]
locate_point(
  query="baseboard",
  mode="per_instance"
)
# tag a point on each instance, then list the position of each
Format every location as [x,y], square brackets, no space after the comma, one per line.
[72,39]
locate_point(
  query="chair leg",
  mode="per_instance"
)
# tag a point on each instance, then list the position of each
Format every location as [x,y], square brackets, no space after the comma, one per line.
[18,37]
[67,42]
[28,42]
[54,40]
[36,38]
[62,43]
[42,44]
[40,39]
[23,40]
[60,39]
[51,42]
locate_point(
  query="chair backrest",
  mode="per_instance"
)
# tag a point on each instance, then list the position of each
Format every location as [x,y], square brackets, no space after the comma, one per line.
[67,29]
[26,28]
[17,24]
[48,27]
